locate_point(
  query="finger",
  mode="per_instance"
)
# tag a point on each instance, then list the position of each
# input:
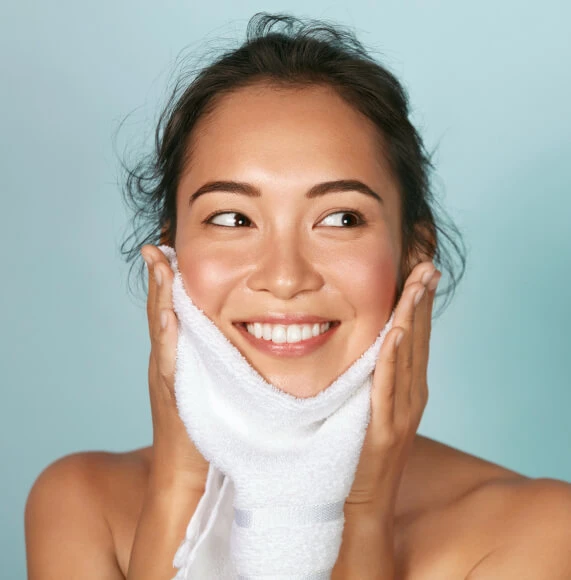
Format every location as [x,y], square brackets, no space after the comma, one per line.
[405,356]
[148,256]
[404,318]
[418,346]
[166,344]
[417,279]
[166,327]
[421,347]
[155,298]
[383,387]
[435,280]
[163,281]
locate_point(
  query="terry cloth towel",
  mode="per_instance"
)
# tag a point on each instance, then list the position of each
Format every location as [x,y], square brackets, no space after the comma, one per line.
[281,467]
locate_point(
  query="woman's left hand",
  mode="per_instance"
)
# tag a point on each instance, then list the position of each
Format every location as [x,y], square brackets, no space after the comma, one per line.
[399,394]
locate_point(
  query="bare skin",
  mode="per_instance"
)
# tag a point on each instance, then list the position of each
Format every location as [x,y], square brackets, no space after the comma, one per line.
[440,531]
[456,515]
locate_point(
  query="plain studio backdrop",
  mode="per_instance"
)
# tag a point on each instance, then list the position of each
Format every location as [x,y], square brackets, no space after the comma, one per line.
[490,87]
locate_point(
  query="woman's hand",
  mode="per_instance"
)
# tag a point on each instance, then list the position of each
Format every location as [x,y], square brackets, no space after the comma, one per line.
[399,395]
[177,476]
[175,459]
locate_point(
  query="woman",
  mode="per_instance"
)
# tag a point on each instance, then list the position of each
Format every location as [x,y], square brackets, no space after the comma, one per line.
[290,182]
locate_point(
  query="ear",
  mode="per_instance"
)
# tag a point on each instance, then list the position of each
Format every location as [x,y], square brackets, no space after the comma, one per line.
[165,238]
[424,241]
[423,252]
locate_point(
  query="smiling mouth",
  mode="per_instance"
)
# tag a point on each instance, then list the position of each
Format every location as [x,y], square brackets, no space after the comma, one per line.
[281,334]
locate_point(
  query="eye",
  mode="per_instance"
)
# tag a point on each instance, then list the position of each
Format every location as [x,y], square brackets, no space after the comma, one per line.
[229,222]
[232,219]
[349,219]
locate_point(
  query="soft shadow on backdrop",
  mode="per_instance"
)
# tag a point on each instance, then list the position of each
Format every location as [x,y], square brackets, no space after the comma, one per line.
[491,93]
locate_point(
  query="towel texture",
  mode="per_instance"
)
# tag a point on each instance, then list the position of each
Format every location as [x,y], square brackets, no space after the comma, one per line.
[281,467]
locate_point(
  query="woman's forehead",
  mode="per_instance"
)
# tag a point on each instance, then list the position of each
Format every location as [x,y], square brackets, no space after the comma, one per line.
[258,109]
[274,130]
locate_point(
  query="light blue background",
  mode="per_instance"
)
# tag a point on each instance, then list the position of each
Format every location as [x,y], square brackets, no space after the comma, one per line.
[489,83]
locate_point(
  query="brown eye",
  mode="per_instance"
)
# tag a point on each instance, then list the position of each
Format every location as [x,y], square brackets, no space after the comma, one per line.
[347,219]
[239,219]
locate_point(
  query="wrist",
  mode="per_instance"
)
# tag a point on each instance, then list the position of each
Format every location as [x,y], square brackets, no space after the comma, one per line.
[169,480]
[176,473]
[375,511]
[367,549]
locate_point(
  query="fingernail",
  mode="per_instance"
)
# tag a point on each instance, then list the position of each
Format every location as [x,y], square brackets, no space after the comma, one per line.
[419,296]
[427,276]
[434,282]
[148,261]
[158,276]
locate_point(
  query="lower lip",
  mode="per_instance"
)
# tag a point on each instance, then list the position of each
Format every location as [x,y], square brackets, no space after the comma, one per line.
[288,349]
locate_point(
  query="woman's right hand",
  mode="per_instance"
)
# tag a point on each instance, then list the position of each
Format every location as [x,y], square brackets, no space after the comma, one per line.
[175,459]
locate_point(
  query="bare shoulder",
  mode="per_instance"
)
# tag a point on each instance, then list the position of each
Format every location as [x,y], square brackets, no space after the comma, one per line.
[531,533]
[81,513]
[437,475]
[462,516]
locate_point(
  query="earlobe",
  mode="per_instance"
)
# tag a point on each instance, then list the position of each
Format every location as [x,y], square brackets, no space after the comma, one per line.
[165,238]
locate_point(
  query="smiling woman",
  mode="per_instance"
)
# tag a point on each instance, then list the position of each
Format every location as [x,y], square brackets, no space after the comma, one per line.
[295,191]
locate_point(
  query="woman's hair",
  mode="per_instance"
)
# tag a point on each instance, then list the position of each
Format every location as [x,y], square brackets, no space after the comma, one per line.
[285,51]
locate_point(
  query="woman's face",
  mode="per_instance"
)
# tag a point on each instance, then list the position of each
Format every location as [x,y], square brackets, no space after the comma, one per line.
[273,251]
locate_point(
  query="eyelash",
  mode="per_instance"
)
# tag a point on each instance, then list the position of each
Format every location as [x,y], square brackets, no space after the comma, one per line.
[361,218]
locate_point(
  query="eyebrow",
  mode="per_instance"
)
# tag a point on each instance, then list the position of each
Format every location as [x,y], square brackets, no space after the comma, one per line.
[317,190]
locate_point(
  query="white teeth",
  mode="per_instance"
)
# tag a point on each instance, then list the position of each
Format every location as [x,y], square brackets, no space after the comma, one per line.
[280,333]
[293,333]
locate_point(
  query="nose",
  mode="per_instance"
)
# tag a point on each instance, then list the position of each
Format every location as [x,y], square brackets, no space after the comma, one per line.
[285,268]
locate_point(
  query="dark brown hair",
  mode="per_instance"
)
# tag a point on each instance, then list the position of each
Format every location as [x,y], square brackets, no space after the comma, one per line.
[283,50]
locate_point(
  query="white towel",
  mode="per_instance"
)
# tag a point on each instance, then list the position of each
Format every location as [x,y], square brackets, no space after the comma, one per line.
[281,467]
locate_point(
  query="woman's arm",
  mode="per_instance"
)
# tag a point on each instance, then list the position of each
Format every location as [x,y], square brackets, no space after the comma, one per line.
[399,394]
[178,471]
[367,549]
[165,515]
[67,535]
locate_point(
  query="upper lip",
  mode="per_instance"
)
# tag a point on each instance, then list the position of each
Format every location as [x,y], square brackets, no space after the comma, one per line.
[293,318]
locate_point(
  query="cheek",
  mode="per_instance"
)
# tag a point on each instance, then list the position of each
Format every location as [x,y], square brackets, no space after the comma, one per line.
[374,286]
[208,275]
